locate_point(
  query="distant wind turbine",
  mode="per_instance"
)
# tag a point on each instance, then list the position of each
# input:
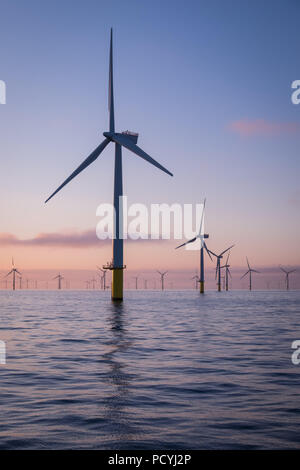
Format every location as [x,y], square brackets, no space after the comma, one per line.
[136,278]
[59,277]
[13,272]
[162,276]
[200,236]
[196,278]
[128,140]
[103,277]
[227,272]
[287,273]
[250,271]
[218,267]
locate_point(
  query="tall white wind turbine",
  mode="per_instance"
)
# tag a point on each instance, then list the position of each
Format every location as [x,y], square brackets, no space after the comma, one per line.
[129,141]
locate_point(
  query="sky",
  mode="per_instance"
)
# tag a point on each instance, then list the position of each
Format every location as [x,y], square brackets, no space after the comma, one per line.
[207,84]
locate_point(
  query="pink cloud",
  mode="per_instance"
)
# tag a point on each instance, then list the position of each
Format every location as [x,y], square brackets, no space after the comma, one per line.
[262,127]
[87,238]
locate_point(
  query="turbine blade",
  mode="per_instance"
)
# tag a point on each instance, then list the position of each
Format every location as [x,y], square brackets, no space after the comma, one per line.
[127,143]
[217,266]
[283,270]
[18,272]
[245,274]
[111,87]
[226,250]
[214,254]
[90,159]
[9,273]
[248,262]
[254,271]
[186,243]
[207,251]
[202,217]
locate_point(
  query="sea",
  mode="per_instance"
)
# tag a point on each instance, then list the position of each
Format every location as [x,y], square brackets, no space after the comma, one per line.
[161,370]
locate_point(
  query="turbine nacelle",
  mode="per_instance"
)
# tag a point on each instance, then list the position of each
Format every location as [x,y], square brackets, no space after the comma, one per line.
[132,136]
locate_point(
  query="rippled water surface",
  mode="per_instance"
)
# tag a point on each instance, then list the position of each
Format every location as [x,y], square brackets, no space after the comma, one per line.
[162,370]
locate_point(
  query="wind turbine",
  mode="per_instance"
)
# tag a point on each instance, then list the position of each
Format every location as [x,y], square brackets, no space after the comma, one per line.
[197,279]
[201,236]
[136,281]
[59,277]
[218,267]
[250,271]
[128,140]
[103,277]
[13,272]
[287,273]
[227,272]
[162,276]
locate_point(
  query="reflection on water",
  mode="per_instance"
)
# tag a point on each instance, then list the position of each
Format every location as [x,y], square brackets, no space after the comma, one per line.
[116,374]
[160,370]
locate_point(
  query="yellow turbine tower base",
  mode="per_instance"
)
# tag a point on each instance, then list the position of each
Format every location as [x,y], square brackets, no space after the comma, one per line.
[201,287]
[117,284]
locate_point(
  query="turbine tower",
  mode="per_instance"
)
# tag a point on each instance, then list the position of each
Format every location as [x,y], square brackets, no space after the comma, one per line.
[287,273]
[227,272]
[162,276]
[136,278]
[128,140]
[218,267]
[13,272]
[201,236]
[60,278]
[250,271]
